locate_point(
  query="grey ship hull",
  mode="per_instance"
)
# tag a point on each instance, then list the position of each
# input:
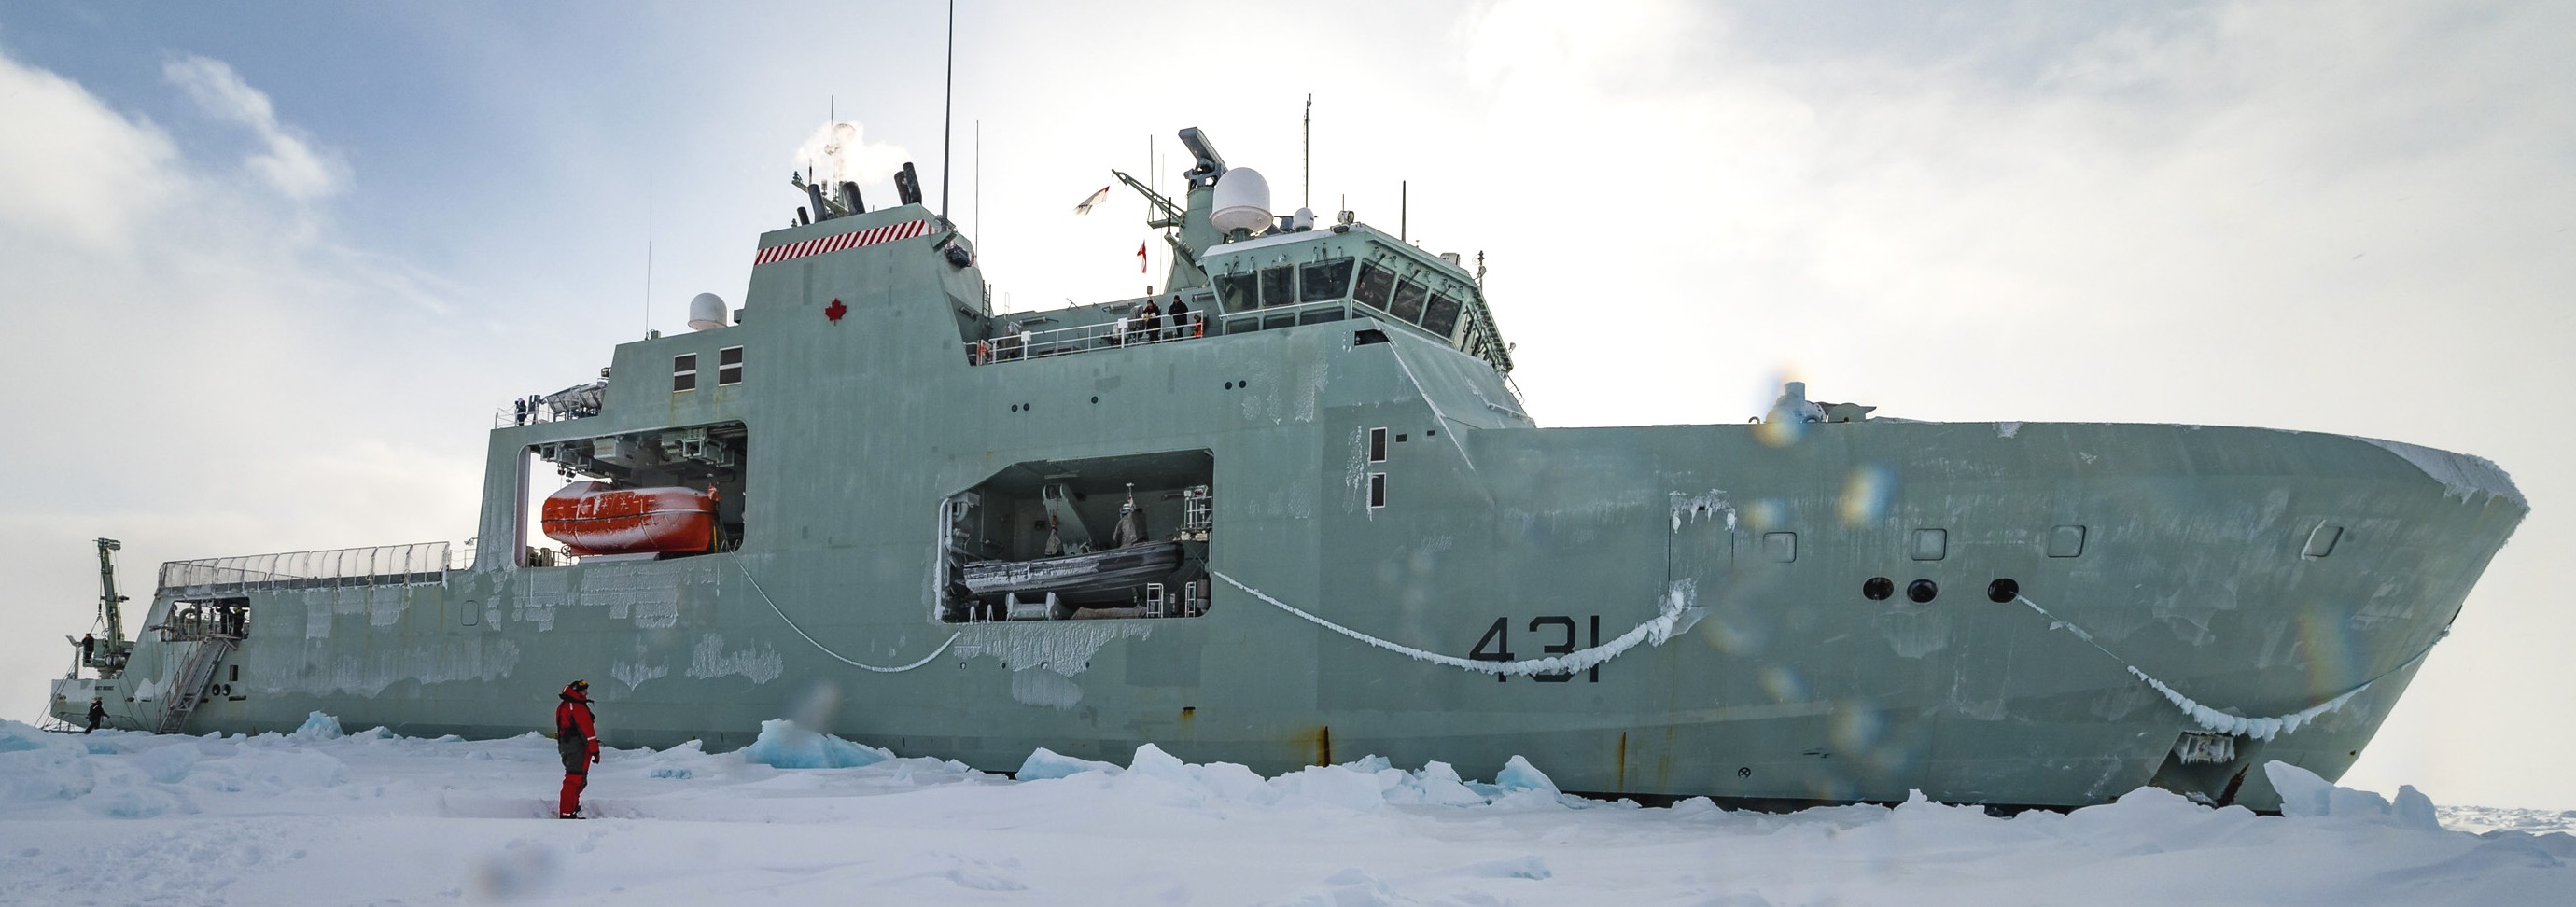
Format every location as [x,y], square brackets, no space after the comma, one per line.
[2196,566]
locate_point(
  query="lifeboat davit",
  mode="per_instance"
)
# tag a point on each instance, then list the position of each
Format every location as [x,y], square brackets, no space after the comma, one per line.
[596,518]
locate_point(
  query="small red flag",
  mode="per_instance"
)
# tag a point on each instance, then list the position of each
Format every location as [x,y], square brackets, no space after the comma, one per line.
[1140,258]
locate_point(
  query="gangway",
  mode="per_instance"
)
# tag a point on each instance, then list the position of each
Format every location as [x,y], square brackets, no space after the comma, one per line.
[188,687]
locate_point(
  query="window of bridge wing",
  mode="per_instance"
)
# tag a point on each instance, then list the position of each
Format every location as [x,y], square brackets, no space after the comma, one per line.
[1278,285]
[1408,300]
[1376,286]
[1441,316]
[1325,280]
[1236,291]
[684,372]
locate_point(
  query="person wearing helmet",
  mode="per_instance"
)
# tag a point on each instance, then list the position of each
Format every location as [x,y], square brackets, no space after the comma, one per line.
[577,739]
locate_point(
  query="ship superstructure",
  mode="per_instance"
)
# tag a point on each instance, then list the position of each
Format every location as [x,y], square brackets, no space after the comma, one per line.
[1306,519]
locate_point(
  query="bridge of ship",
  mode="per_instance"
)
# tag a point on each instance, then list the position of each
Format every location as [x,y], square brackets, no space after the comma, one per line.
[1283,279]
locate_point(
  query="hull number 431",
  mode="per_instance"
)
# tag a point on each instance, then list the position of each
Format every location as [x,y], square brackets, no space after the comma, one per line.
[1556,635]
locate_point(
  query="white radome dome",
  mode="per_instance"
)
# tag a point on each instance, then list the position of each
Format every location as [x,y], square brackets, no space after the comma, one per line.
[706,312]
[1242,201]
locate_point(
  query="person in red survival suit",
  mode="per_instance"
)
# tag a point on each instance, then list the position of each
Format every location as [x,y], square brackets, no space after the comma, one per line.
[578,740]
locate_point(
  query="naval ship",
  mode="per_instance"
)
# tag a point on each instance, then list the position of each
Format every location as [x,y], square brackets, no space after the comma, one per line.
[1289,510]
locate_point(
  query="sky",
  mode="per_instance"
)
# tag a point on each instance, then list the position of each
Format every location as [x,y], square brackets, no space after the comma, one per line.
[281,263]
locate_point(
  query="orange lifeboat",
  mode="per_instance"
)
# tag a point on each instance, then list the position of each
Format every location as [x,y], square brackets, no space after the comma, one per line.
[595,518]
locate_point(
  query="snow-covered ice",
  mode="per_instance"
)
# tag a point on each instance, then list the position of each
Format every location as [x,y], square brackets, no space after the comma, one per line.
[321,817]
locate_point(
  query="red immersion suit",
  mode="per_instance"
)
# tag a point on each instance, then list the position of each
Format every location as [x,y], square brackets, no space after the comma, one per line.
[577,740]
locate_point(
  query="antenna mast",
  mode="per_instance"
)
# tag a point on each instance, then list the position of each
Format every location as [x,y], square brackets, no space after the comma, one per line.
[948,110]
[978,238]
[648,254]
[1308,201]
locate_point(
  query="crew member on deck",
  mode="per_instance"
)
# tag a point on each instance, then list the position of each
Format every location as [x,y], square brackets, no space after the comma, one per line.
[1150,318]
[88,646]
[577,740]
[97,713]
[1180,317]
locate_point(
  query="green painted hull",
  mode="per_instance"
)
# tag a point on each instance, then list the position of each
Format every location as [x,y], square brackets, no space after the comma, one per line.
[2194,567]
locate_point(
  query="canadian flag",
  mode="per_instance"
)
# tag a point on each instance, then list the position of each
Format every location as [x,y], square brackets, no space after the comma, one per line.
[1140,258]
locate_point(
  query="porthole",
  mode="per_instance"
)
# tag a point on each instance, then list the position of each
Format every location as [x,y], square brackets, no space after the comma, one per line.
[1877,588]
[1229,385]
[1095,398]
[1921,591]
[2002,590]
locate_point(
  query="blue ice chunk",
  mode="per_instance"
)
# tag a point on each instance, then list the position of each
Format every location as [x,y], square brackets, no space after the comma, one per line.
[1046,763]
[318,726]
[1518,774]
[784,745]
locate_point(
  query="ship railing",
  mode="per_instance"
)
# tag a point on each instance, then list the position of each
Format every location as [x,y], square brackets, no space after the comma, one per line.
[519,413]
[419,562]
[1084,338]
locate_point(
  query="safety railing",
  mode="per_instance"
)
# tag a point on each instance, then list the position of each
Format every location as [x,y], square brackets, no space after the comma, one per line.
[580,401]
[420,562]
[1085,338]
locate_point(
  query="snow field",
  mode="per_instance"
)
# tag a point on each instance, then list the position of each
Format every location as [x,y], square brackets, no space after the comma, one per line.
[319,817]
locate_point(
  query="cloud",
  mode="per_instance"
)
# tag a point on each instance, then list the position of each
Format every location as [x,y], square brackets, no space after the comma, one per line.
[218,374]
[2271,170]
[66,159]
[290,162]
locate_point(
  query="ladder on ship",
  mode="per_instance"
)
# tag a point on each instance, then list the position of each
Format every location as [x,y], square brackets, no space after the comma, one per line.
[188,688]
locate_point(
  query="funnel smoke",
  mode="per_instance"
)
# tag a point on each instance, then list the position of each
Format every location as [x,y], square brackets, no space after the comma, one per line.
[839,151]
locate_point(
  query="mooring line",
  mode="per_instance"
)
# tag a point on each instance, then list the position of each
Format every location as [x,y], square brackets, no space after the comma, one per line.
[1676,617]
[2213,720]
[827,650]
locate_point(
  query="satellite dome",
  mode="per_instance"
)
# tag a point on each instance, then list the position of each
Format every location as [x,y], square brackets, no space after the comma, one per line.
[706,312]
[1242,201]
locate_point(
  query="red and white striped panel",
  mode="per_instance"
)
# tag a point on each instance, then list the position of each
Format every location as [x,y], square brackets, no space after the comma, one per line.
[851,240]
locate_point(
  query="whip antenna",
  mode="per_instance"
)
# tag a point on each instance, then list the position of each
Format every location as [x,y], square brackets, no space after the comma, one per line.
[948,110]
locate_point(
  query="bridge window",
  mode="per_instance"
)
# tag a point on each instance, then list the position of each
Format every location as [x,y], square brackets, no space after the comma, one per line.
[1442,316]
[1235,290]
[684,372]
[729,366]
[1278,285]
[1376,285]
[1408,301]
[1326,280]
